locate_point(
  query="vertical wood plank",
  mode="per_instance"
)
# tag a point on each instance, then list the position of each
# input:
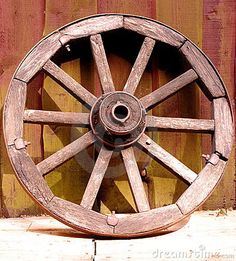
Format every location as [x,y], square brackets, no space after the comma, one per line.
[179,15]
[143,8]
[219,24]
[115,193]
[21,27]
[59,13]
[69,180]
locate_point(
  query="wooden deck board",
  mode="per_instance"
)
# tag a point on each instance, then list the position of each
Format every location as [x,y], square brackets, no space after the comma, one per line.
[42,238]
[207,236]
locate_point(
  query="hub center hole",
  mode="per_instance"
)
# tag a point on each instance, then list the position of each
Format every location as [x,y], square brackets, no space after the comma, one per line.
[120,112]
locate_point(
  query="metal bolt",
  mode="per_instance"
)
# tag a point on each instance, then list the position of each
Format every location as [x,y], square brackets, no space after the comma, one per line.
[68,47]
[143,172]
[27,143]
[112,220]
[148,141]
[20,143]
[206,156]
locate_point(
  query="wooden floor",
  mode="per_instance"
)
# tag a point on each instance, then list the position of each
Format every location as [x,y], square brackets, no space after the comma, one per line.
[207,236]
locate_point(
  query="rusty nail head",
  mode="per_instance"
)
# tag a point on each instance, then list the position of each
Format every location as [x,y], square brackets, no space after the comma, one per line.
[206,156]
[19,143]
[112,220]
[68,47]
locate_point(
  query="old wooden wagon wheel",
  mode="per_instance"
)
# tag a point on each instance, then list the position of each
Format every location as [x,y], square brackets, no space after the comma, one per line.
[117,120]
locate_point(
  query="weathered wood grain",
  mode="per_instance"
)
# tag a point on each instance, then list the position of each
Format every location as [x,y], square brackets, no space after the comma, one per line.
[143,8]
[139,65]
[79,218]
[29,176]
[201,188]
[56,117]
[209,78]
[96,178]
[170,88]
[186,17]
[38,57]
[65,153]
[148,222]
[154,30]
[71,177]
[16,25]
[135,180]
[69,83]
[223,137]
[57,14]
[116,194]
[219,43]
[100,58]
[14,111]
[162,156]
[87,27]
[211,47]
[183,124]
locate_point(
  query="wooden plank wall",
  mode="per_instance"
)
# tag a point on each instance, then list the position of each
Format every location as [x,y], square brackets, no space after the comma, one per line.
[21,26]
[210,24]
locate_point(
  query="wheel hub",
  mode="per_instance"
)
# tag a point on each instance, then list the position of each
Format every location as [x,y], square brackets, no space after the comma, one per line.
[118,119]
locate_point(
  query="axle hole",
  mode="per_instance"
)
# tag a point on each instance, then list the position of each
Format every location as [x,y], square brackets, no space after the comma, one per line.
[120,112]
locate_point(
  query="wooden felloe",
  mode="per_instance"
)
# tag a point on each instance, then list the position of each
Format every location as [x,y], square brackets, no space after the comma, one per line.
[116,122]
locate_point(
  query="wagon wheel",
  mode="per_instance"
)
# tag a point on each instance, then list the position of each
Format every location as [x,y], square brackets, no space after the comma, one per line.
[118,119]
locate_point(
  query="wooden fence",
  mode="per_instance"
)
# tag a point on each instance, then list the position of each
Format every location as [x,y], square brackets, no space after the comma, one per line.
[208,23]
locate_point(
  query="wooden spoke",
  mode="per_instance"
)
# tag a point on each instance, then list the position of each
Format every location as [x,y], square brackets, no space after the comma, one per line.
[139,65]
[69,84]
[135,180]
[66,153]
[183,124]
[162,156]
[102,63]
[56,117]
[96,178]
[159,95]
